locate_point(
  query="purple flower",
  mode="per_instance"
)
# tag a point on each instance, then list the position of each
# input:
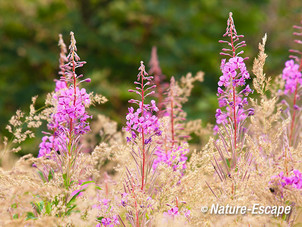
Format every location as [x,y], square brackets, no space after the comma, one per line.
[110,222]
[69,119]
[292,76]
[220,117]
[234,74]
[124,199]
[216,129]
[142,120]
[231,79]
[173,157]
[294,181]
[173,211]
[138,122]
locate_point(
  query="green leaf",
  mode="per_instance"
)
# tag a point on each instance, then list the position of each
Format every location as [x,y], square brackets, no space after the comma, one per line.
[14,206]
[66,183]
[48,207]
[39,207]
[42,176]
[50,175]
[55,202]
[97,187]
[99,219]
[15,216]
[70,210]
[228,161]
[30,215]
[87,182]
[73,199]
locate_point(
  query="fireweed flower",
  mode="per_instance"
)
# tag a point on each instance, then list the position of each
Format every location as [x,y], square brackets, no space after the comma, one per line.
[176,211]
[109,222]
[108,219]
[281,181]
[232,112]
[176,158]
[142,125]
[172,212]
[141,122]
[155,70]
[293,79]
[69,119]
[232,91]
[172,148]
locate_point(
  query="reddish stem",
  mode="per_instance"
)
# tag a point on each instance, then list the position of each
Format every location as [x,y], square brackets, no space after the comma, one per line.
[234,96]
[172,118]
[143,136]
[232,188]
[135,203]
[106,190]
[294,115]
[235,120]
[74,92]
[74,83]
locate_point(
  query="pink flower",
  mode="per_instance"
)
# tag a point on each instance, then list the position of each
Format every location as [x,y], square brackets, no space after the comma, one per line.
[294,181]
[175,157]
[172,212]
[292,76]
[230,80]
[69,119]
[109,222]
[142,120]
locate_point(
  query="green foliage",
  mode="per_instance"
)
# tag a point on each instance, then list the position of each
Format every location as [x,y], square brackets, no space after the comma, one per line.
[30,215]
[99,219]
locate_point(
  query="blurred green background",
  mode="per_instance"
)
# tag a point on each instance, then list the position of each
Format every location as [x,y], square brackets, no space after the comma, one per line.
[114,35]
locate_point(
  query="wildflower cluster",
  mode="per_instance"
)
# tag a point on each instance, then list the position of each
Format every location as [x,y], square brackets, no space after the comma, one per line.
[134,176]
[146,123]
[69,119]
[294,181]
[110,220]
[174,211]
[175,157]
[142,122]
[234,74]
[229,98]
[172,145]
[142,125]
[292,77]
